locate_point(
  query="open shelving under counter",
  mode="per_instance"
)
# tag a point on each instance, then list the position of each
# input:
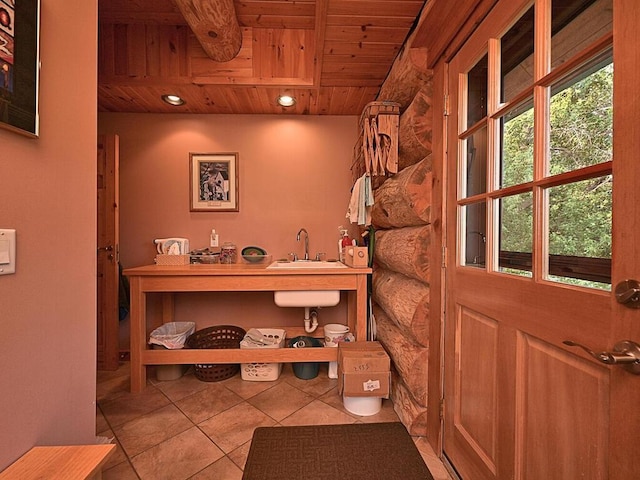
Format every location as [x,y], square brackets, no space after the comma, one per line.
[171,280]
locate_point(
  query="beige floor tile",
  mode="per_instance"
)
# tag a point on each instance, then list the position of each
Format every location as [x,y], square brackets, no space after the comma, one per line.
[240,454]
[182,387]
[214,399]
[318,413]
[247,389]
[123,371]
[151,429]
[434,464]
[281,400]
[111,388]
[101,422]
[178,458]
[235,426]
[116,457]
[386,414]
[316,386]
[122,471]
[222,469]
[128,406]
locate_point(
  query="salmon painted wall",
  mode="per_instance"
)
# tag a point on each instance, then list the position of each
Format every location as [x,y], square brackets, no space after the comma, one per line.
[294,172]
[48,194]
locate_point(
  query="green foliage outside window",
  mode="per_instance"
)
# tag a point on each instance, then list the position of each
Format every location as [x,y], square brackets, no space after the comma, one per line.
[581,135]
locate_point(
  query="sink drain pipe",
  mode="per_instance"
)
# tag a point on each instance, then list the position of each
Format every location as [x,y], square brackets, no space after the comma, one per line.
[310,319]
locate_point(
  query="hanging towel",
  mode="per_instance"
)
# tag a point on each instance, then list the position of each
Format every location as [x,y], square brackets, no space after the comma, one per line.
[366,203]
[352,210]
[359,210]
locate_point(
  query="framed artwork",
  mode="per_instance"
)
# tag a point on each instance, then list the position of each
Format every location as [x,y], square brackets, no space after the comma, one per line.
[213,182]
[19,65]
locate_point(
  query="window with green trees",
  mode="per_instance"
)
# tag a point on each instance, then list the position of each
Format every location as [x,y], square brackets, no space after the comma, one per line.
[537,200]
[579,216]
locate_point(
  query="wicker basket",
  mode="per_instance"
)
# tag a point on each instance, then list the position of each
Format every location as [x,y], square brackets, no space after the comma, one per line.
[219,336]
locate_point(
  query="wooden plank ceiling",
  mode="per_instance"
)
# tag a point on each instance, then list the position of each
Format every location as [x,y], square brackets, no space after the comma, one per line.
[332,55]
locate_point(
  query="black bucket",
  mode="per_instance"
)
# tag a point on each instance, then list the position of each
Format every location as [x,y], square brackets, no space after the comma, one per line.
[305,370]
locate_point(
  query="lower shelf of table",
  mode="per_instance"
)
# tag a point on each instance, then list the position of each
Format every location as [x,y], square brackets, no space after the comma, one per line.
[236,355]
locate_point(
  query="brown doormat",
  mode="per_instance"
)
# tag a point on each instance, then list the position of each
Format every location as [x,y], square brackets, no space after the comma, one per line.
[370,451]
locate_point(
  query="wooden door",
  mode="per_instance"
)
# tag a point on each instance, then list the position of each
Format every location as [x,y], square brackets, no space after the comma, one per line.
[107,251]
[518,402]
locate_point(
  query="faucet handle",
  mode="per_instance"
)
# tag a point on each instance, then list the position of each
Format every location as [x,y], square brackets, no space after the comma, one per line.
[321,257]
[293,257]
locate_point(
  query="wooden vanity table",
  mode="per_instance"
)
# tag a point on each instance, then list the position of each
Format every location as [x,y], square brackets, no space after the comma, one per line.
[171,280]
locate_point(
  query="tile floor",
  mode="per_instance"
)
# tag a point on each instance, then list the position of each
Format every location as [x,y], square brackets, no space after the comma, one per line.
[188,429]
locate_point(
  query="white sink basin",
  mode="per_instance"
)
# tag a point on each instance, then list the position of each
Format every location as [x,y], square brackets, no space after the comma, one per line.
[306,265]
[306,298]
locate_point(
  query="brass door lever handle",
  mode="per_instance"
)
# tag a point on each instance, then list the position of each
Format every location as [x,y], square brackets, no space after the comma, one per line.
[626,353]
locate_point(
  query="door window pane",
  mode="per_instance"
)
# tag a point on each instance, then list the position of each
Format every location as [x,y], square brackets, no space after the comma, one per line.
[477,92]
[580,232]
[577,23]
[476,168]
[581,121]
[516,233]
[517,147]
[475,216]
[516,59]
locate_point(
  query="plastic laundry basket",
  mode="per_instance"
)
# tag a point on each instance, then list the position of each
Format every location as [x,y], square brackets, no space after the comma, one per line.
[262,372]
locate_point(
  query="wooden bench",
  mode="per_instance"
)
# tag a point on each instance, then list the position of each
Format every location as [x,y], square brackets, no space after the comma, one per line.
[69,462]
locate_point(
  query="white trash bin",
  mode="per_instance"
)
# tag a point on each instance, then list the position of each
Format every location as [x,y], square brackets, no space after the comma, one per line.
[171,336]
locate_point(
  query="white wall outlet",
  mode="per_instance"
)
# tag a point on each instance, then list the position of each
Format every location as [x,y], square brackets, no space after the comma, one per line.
[7,251]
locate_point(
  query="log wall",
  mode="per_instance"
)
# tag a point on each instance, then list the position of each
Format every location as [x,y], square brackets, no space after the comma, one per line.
[402,219]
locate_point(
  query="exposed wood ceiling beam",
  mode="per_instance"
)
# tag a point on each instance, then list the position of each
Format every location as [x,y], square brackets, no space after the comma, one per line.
[215,25]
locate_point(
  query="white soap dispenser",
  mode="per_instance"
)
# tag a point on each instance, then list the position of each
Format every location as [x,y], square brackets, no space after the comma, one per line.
[214,238]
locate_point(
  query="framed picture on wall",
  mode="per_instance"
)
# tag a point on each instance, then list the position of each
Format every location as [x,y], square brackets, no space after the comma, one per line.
[213,182]
[19,65]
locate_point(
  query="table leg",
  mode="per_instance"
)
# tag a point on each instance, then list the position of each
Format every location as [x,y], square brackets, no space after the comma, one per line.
[138,334]
[357,309]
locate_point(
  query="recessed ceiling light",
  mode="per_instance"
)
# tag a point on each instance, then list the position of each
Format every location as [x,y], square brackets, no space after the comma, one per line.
[286,100]
[174,100]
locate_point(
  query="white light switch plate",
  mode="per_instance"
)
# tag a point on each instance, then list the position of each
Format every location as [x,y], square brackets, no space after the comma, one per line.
[7,251]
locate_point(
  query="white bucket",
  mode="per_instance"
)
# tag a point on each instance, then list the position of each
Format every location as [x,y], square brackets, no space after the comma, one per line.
[334,333]
[363,406]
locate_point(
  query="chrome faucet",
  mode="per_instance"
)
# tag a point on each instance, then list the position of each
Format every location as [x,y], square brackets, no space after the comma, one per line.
[306,242]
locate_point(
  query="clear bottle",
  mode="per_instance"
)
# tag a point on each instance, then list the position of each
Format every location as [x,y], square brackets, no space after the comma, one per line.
[344,241]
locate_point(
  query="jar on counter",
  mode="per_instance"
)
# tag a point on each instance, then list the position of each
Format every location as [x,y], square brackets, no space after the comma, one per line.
[228,253]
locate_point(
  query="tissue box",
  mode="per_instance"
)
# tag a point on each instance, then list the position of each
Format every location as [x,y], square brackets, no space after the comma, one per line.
[357,257]
[163,259]
[364,370]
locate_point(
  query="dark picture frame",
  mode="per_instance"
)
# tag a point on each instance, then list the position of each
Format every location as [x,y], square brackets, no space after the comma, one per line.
[19,66]
[213,182]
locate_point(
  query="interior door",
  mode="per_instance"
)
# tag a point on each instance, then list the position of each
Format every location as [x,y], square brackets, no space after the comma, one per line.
[518,402]
[107,251]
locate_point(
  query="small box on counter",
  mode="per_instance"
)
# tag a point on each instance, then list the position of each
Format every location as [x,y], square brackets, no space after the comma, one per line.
[163,259]
[364,370]
[357,257]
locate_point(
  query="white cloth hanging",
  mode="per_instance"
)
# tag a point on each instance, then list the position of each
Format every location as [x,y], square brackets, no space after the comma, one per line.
[361,202]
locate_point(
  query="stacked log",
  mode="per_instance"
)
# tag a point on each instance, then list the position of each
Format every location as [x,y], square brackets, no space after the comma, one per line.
[405,198]
[407,75]
[405,302]
[405,250]
[402,218]
[416,125]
